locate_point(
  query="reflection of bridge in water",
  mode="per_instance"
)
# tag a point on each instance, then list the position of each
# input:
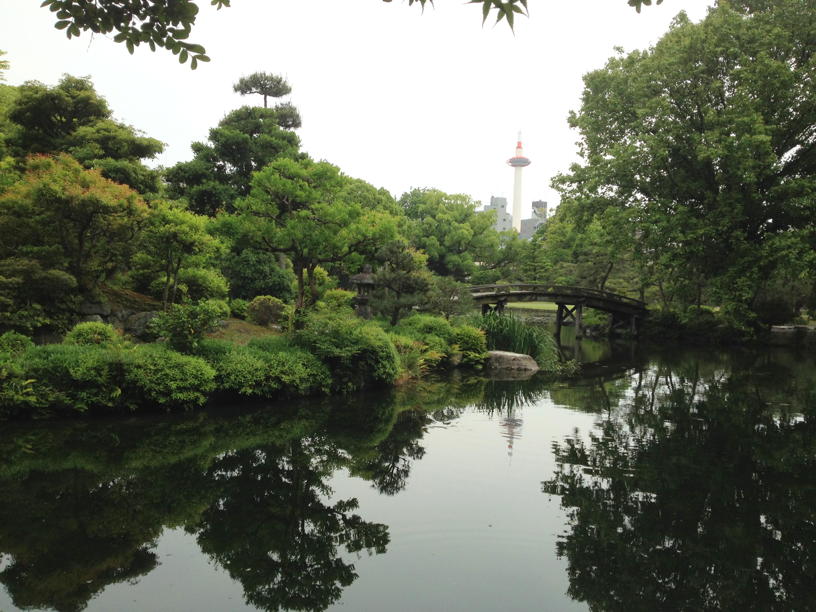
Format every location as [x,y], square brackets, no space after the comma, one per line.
[626,312]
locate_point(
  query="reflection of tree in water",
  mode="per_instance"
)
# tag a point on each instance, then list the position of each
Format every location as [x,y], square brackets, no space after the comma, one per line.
[700,497]
[274,531]
[69,535]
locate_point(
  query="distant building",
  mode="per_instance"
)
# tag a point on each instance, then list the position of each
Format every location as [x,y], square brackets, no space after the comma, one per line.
[529,226]
[504,221]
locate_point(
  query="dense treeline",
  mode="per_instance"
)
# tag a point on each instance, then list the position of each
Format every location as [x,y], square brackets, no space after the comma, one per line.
[696,186]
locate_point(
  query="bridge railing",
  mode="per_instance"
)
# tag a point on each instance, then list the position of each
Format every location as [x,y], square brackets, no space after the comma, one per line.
[559,290]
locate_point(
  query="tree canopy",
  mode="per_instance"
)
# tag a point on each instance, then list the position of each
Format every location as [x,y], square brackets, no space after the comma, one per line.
[704,149]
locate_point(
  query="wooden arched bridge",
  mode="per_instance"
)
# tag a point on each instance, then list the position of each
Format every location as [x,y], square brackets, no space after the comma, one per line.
[626,312]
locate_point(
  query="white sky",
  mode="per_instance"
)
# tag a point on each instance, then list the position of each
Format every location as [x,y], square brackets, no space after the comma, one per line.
[391,96]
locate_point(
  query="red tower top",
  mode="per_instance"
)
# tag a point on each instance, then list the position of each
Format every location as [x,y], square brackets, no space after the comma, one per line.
[518,160]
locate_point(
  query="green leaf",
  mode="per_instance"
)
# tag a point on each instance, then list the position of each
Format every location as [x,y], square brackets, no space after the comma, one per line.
[183,56]
[61,25]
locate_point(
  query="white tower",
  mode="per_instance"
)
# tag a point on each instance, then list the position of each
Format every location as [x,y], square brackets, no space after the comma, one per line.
[518,162]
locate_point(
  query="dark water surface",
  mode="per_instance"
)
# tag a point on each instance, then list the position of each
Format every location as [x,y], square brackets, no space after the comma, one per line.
[654,481]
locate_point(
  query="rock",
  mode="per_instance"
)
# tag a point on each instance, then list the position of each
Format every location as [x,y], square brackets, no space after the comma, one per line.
[136,324]
[515,362]
[90,308]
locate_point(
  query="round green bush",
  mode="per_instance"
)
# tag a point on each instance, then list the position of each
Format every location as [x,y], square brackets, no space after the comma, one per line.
[238,308]
[92,332]
[203,283]
[357,353]
[184,326]
[13,343]
[155,374]
[266,309]
[472,343]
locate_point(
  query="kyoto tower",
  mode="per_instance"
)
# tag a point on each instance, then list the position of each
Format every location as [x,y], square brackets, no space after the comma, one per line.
[518,161]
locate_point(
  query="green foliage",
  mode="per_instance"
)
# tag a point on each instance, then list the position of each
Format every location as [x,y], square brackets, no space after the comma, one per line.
[159,23]
[203,283]
[251,272]
[73,118]
[91,332]
[157,375]
[336,300]
[70,219]
[696,156]
[358,354]
[74,378]
[266,370]
[270,86]
[14,344]
[301,208]
[450,231]
[447,297]
[506,332]
[472,343]
[400,282]
[238,308]
[245,141]
[266,309]
[184,326]
[176,249]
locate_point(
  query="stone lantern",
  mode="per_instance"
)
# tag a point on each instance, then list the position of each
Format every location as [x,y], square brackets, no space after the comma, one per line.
[364,283]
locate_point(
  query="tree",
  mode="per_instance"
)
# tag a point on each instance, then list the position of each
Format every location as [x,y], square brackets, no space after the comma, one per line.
[168,23]
[401,280]
[264,84]
[174,238]
[71,219]
[297,207]
[73,118]
[450,231]
[705,144]
[244,142]
[4,65]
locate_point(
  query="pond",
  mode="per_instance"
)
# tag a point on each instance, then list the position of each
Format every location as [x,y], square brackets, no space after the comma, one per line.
[652,481]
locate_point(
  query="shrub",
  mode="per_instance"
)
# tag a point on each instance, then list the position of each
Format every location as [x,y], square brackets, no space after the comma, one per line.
[472,343]
[13,343]
[413,356]
[252,273]
[265,309]
[221,307]
[336,300]
[17,395]
[203,283]
[184,326]
[428,325]
[155,374]
[75,377]
[294,372]
[238,308]
[92,332]
[357,353]
[267,367]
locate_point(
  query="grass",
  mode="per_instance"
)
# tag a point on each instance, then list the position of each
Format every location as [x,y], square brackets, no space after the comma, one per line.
[550,306]
[241,332]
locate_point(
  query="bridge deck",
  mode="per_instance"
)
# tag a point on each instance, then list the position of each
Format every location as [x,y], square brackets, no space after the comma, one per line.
[530,292]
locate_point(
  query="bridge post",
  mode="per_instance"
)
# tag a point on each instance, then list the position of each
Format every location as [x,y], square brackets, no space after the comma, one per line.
[559,320]
[579,320]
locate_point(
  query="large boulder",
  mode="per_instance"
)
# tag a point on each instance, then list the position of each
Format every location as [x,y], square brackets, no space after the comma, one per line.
[504,361]
[136,324]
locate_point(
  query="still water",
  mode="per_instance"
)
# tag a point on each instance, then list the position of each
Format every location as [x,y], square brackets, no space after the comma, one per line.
[683,480]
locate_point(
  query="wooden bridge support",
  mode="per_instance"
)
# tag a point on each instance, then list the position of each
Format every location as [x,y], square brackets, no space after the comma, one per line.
[498,307]
[621,322]
[566,313]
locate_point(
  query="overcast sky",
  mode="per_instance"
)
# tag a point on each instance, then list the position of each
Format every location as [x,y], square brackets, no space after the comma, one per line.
[390,95]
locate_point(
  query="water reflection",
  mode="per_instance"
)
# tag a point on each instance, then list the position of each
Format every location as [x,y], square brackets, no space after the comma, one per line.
[696,490]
